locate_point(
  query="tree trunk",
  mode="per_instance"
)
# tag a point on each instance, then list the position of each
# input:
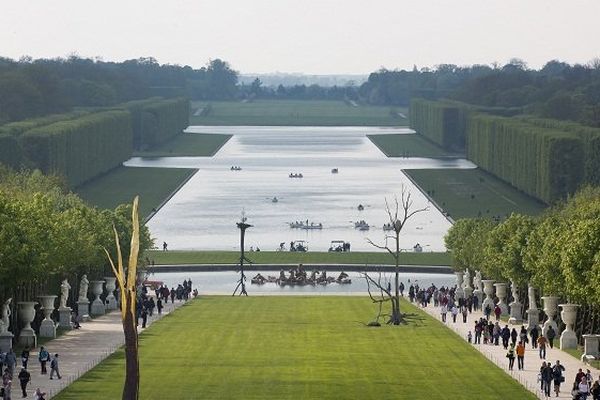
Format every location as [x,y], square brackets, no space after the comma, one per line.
[132,369]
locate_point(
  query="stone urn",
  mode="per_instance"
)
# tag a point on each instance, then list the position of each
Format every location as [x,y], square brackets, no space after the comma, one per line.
[98,307]
[533,314]
[111,300]
[568,339]
[516,308]
[488,289]
[27,314]
[459,293]
[47,327]
[550,308]
[501,293]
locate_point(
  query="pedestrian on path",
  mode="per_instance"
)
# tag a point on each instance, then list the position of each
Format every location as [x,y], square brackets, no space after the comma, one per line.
[10,360]
[546,377]
[513,336]
[443,311]
[24,378]
[487,312]
[465,313]
[534,333]
[43,358]
[511,357]
[39,395]
[541,342]
[54,367]
[469,337]
[159,305]
[584,389]
[497,312]
[595,390]
[521,355]
[454,312]
[25,357]
[557,375]
[505,335]
[7,390]
[550,335]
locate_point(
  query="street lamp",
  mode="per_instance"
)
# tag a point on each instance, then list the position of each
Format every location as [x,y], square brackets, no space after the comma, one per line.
[242,226]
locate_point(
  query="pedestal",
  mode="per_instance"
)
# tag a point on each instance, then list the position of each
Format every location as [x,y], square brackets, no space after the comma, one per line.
[501,294]
[550,308]
[568,339]
[591,347]
[459,293]
[6,339]
[479,294]
[488,288]
[27,336]
[468,292]
[516,310]
[98,307]
[111,300]
[83,310]
[47,327]
[64,318]
[533,319]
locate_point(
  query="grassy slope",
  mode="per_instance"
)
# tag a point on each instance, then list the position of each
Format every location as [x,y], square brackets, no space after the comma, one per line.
[188,144]
[406,146]
[453,189]
[296,113]
[299,348]
[120,185]
[272,257]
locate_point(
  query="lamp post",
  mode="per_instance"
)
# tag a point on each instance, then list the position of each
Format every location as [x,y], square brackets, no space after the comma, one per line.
[242,226]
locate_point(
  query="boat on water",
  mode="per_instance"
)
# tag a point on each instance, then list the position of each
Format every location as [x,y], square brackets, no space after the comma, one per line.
[360,207]
[388,227]
[361,225]
[275,200]
[293,175]
[303,225]
[334,171]
[235,168]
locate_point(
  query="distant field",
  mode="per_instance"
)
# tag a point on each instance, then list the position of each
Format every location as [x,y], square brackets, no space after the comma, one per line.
[407,146]
[122,184]
[468,193]
[286,257]
[295,113]
[188,145]
[296,347]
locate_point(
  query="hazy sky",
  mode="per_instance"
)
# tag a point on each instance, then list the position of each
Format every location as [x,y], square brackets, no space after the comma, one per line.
[319,36]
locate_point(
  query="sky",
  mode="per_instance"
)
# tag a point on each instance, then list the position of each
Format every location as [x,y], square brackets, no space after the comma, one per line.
[311,37]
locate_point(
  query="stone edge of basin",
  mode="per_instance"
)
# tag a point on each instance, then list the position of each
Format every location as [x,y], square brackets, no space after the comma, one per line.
[432,269]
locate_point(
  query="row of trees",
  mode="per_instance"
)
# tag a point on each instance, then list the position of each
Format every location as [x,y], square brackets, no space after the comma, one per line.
[442,122]
[558,252]
[48,234]
[31,88]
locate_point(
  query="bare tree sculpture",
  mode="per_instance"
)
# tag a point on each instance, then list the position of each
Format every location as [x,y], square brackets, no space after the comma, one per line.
[242,225]
[403,211]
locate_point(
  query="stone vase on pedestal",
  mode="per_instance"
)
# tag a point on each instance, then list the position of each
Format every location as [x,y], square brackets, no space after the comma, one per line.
[533,314]
[516,308]
[27,314]
[98,307]
[47,327]
[488,289]
[83,309]
[550,308]
[501,294]
[459,293]
[568,339]
[111,300]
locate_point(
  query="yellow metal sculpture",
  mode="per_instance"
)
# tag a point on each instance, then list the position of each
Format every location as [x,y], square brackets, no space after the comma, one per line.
[127,285]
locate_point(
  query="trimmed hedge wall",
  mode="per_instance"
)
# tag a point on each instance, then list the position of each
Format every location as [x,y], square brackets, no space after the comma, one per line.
[545,163]
[17,128]
[82,148]
[10,151]
[442,122]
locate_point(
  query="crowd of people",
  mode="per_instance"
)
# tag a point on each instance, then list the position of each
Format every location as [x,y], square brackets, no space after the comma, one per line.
[8,364]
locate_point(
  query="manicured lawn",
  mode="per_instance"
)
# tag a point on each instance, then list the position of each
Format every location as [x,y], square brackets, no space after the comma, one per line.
[274,257]
[295,113]
[468,193]
[188,144]
[406,146]
[122,184]
[299,348]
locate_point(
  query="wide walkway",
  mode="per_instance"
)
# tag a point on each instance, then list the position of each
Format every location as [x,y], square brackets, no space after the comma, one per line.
[497,354]
[79,351]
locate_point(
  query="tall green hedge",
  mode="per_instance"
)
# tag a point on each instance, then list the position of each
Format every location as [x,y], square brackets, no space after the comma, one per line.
[17,128]
[156,120]
[545,163]
[10,151]
[442,122]
[82,148]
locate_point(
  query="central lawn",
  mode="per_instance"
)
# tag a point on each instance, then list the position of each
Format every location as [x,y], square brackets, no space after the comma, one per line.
[286,257]
[121,185]
[407,146]
[187,145]
[471,193]
[299,348]
[295,113]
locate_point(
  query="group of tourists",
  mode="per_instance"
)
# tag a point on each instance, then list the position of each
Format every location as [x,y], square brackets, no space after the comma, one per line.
[146,304]
[8,364]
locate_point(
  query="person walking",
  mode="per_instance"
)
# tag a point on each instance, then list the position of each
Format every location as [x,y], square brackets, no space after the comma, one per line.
[465,313]
[546,377]
[25,357]
[513,336]
[7,386]
[534,333]
[159,305]
[584,389]
[24,378]
[39,395]
[454,313]
[557,375]
[521,355]
[505,334]
[497,312]
[54,367]
[511,357]
[43,358]
[11,361]
[443,311]
[541,343]
[550,335]
[595,390]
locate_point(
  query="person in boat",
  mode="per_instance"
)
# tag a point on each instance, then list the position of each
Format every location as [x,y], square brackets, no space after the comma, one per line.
[282,276]
[282,246]
[342,275]
[292,246]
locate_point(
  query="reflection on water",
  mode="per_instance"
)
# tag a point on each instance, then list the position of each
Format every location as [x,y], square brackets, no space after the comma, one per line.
[224,282]
[203,213]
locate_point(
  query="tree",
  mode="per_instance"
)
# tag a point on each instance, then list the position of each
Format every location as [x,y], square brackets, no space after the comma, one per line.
[398,217]
[466,240]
